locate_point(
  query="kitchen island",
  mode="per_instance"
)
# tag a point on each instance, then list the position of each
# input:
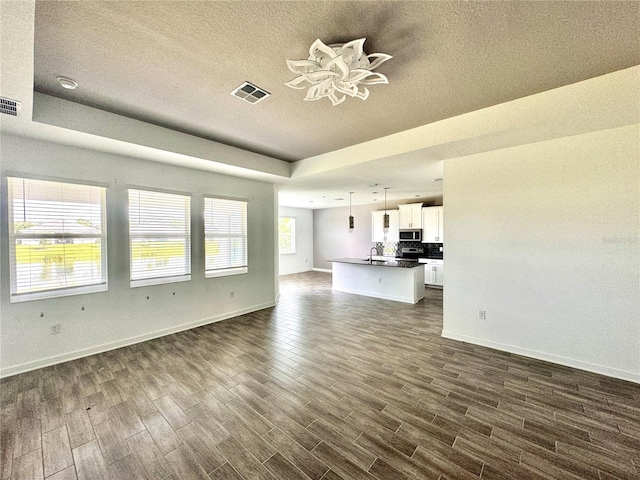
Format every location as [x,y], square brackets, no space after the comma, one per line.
[390,279]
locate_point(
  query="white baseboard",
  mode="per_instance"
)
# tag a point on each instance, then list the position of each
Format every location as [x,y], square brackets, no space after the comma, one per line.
[548,357]
[383,296]
[325,270]
[105,347]
[295,271]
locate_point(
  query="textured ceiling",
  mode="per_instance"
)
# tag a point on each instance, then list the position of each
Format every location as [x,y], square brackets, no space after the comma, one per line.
[175,63]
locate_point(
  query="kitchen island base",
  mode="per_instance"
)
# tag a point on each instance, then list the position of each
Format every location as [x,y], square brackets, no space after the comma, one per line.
[387,282]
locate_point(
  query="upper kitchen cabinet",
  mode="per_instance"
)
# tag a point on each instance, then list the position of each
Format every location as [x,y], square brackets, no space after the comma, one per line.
[410,216]
[377,226]
[432,225]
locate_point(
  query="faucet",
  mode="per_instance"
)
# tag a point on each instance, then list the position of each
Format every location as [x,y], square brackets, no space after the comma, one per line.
[371,255]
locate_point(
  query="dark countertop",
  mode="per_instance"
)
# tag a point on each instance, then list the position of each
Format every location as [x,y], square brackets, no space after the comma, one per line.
[421,257]
[390,262]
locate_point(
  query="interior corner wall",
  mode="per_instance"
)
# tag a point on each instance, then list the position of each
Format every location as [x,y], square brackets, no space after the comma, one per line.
[302,260]
[123,315]
[332,238]
[545,238]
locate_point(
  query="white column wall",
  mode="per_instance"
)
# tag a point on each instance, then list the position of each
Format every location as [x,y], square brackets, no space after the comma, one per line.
[545,238]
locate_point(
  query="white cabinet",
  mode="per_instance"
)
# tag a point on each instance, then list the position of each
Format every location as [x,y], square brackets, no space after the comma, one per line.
[432,225]
[434,275]
[410,216]
[434,272]
[377,224]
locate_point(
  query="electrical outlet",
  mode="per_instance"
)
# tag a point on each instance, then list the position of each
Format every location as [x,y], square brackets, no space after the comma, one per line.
[56,328]
[482,314]
[380,280]
[232,294]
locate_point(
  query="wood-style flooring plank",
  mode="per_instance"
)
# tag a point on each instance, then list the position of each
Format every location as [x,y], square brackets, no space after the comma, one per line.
[324,386]
[147,453]
[184,465]
[112,443]
[292,428]
[26,422]
[165,437]
[128,420]
[250,417]
[281,468]
[28,466]
[7,437]
[203,417]
[225,472]
[203,445]
[79,428]
[89,462]
[51,415]
[174,415]
[68,473]
[296,454]
[128,468]
[336,461]
[56,450]
[246,437]
[182,397]
[242,461]
[352,451]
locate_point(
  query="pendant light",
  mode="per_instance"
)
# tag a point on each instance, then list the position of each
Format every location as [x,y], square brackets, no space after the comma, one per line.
[350,216]
[385,218]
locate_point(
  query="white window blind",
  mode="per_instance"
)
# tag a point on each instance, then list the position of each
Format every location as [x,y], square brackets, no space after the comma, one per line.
[225,230]
[58,238]
[287,237]
[160,237]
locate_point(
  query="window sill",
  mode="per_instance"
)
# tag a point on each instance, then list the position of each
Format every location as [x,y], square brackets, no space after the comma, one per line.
[226,272]
[63,292]
[145,282]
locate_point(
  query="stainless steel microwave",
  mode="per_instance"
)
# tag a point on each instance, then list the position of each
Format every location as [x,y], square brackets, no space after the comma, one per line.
[412,235]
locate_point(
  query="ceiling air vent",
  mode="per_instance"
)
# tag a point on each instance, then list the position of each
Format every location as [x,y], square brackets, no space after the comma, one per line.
[9,107]
[250,93]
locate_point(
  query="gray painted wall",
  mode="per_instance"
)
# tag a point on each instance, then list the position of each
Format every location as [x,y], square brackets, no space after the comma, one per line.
[123,315]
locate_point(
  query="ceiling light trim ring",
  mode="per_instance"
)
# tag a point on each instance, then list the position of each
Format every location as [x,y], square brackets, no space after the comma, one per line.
[337,70]
[68,83]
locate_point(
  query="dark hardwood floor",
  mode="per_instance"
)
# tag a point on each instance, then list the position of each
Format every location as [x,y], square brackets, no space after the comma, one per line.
[324,386]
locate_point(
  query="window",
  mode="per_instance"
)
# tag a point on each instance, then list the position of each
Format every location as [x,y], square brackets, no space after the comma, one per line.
[225,232]
[58,238]
[287,235]
[159,237]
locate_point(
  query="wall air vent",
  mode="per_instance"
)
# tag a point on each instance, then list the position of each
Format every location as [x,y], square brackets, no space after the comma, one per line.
[9,107]
[250,93]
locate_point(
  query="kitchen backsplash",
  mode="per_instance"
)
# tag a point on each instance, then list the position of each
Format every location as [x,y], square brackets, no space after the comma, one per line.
[387,249]
[391,249]
[431,250]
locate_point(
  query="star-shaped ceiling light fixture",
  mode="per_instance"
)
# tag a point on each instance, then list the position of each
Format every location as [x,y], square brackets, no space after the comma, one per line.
[336,70]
